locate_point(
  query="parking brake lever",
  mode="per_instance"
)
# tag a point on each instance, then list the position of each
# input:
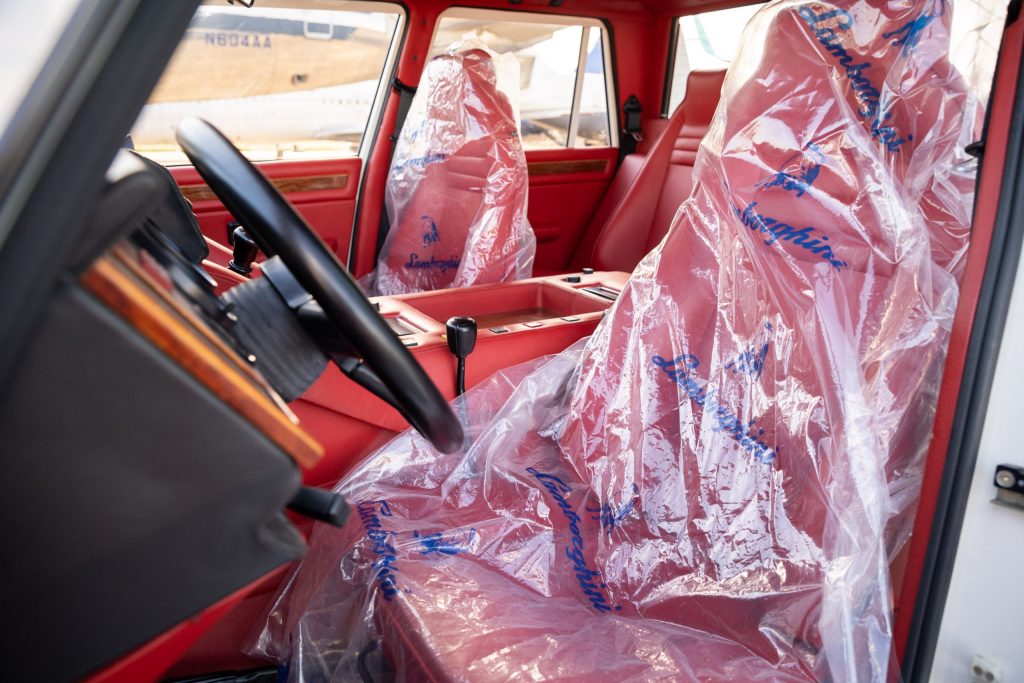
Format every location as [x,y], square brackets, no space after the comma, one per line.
[461,334]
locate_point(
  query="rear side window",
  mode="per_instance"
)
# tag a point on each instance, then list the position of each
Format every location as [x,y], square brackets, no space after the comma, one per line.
[563,71]
[281,82]
[706,41]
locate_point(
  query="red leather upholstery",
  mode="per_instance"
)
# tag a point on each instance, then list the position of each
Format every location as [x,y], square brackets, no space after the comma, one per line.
[647,190]
[717,493]
[458,185]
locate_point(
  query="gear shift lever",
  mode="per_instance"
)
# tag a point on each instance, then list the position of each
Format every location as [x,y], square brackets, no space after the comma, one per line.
[243,253]
[461,333]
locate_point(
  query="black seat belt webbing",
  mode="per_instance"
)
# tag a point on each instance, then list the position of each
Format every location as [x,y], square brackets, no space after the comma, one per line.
[632,126]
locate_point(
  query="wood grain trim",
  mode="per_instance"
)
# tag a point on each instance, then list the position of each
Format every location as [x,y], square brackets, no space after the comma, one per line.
[540,168]
[313,183]
[124,259]
[141,306]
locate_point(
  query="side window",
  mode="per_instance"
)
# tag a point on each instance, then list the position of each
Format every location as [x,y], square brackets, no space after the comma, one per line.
[563,72]
[708,40]
[281,82]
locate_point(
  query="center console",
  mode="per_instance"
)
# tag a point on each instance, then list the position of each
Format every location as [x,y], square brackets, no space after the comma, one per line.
[516,322]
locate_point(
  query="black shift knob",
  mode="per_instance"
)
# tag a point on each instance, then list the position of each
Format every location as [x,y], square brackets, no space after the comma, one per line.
[461,333]
[244,251]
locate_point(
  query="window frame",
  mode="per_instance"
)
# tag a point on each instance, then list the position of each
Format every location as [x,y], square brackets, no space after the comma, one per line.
[675,33]
[387,73]
[586,23]
[675,29]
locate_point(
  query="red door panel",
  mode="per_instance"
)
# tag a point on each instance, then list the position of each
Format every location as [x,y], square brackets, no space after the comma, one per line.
[324,192]
[566,185]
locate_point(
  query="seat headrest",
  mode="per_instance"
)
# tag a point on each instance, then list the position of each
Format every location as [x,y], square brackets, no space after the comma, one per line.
[479,65]
[703,91]
[873,121]
[460,80]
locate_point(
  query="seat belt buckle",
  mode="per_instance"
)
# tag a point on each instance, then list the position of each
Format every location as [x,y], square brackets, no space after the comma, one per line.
[632,122]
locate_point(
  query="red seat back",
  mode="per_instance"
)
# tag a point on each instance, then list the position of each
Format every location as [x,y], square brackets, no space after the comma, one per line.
[640,203]
[457,189]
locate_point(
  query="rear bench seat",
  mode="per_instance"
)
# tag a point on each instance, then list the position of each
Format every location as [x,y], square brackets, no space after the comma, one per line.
[648,188]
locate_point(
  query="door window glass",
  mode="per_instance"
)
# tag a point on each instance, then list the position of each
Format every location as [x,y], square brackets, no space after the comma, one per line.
[563,72]
[280,82]
[706,41]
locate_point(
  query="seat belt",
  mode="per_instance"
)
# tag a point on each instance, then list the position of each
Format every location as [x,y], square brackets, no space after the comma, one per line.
[405,95]
[632,126]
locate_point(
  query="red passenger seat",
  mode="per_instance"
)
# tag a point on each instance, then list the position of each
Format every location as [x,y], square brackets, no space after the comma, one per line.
[457,188]
[648,189]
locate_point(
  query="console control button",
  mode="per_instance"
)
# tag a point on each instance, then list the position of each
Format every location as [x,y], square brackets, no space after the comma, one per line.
[588,271]
[410,343]
[498,330]
[570,319]
[535,324]
[573,279]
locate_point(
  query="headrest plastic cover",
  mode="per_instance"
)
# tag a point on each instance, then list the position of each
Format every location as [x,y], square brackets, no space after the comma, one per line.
[457,190]
[713,485]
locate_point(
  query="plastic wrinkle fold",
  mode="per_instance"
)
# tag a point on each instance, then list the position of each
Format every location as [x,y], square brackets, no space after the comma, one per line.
[713,485]
[457,189]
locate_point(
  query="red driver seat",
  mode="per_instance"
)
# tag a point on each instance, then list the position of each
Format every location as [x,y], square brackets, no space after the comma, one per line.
[457,188]
[713,486]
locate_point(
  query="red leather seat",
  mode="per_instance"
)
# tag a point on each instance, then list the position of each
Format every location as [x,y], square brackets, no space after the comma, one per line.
[457,189]
[712,487]
[647,190]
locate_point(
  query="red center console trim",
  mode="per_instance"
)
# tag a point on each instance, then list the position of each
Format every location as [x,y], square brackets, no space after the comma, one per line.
[522,320]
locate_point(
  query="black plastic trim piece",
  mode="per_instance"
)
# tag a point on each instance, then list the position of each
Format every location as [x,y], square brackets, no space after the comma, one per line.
[84,102]
[969,419]
[129,511]
[670,67]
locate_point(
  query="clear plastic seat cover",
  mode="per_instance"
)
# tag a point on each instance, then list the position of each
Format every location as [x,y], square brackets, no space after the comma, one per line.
[713,485]
[457,189]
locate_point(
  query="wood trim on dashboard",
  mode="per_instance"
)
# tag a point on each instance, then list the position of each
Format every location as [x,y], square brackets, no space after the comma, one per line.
[541,168]
[313,183]
[184,338]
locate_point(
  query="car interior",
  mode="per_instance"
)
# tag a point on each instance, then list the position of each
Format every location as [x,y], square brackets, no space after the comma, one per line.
[343,410]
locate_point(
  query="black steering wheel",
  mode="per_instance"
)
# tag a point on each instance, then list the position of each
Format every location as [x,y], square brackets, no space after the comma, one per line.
[257,205]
